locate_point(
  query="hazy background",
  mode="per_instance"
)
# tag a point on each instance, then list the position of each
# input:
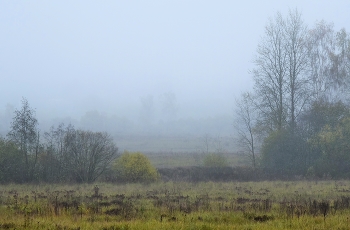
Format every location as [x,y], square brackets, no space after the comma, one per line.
[137,68]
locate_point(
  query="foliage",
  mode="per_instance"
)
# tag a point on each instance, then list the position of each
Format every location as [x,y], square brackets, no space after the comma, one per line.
[24,133]
[285,151]
[322,113]
[135,167]
[301,81]
[216,160]
[11,162]
[332,145]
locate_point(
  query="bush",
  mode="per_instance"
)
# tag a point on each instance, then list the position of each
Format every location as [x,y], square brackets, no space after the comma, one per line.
[285,152]
[135,167]
[215,160]
[11,162]
[223,174]
[332,146]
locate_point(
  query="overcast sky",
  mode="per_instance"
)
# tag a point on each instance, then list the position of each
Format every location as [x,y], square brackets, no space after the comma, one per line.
[68,57]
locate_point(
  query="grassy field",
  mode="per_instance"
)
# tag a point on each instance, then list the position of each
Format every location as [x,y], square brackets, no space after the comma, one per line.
[183,144]
[186,159]
[210,205]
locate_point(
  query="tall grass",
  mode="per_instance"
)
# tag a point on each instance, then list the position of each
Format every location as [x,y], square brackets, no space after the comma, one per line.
[209,205]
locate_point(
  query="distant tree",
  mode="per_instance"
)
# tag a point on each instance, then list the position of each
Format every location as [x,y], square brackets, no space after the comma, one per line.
[135,167]
[215,160]
[147,111]
[94,121]
[207,139]
[6,118]
[169,107]
[24,133]
[212,144]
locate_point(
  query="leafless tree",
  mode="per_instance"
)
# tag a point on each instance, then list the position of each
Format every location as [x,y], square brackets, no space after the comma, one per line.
[147,111]
[342,59]
[296,41]
[270,74]
[58,165]
[321,46]
[206,143]
[281,72]
[169,107]
[88,153]
[245,127]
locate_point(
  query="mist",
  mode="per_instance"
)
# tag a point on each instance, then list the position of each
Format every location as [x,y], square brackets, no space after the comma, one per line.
[137,68]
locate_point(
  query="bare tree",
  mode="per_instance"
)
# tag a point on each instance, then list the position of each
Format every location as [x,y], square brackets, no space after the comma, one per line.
[56,167]
[206,143]
[245,126]
[329,55]
[147,111]
[296,42]
[341,68]
[24,133]
[341,60]
[270,74]
[169,107]
[281,74]
[321,46]
[88,153]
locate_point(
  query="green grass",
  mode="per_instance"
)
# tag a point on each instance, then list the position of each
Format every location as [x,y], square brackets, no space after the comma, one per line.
[210,205]
[174,143]
[187,159]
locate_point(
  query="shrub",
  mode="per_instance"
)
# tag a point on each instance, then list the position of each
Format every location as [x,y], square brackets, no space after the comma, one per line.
[135,167]
[215,160]
[285,152]
[11,162]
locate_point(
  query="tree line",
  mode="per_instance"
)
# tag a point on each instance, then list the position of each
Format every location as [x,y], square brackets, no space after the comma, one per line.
[296,120]
[63,154]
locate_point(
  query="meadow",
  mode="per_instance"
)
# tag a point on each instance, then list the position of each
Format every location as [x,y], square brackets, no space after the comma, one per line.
[177,205]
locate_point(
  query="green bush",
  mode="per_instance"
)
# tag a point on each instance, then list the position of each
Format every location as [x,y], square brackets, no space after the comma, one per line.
[135,167]
[332,146]
[11,162]
[285,152]
[215,160]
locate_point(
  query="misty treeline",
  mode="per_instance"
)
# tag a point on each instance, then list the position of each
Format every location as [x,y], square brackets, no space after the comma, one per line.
[63,154]
[296,120]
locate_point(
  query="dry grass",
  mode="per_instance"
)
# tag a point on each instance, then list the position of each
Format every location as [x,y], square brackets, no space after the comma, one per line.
[234,205]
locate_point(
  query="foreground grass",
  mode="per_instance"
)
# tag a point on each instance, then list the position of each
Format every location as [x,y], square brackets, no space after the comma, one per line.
[235,205]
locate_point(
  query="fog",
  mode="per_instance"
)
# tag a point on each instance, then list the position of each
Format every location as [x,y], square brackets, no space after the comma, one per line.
[131,67]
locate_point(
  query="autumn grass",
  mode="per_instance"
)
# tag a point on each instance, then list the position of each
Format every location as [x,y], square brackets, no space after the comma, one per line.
[188,159]
[209,205]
